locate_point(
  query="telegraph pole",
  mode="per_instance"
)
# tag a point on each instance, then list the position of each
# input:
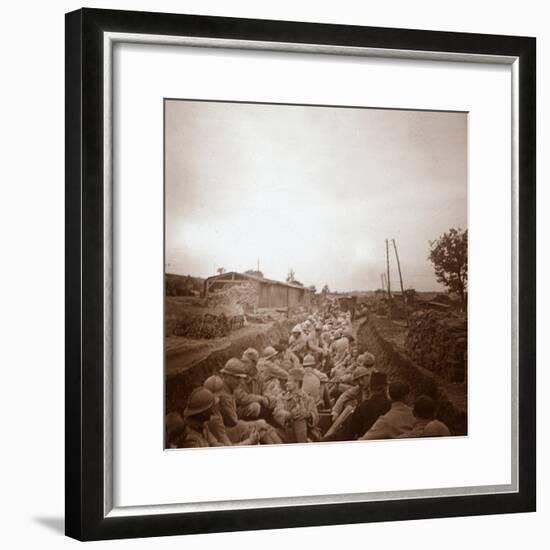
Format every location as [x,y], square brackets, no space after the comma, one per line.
[388,277]
[401,281]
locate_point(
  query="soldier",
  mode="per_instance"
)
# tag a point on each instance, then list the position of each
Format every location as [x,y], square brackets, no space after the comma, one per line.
[174,428]
[215,424]
[398,420]
[285,356]
[250,358]
[340,346]
[274,378]
[233,374]
[251,404]
[297,342]
[296,410]
[354,395]
[196,432]
[426,425]
[368,360]
[314,342]
[266,361]
[312,380]
[345,366]
[367,412]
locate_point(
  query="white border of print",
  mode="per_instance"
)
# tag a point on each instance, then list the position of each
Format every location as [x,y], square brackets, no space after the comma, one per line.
[142,477]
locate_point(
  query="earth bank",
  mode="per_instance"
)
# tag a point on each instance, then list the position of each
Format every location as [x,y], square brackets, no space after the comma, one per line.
[190,362]
[386,340]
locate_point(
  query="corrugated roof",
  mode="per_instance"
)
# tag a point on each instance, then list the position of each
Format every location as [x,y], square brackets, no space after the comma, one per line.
[258,279]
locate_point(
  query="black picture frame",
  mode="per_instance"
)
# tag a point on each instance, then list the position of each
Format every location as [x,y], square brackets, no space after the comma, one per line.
[84,455]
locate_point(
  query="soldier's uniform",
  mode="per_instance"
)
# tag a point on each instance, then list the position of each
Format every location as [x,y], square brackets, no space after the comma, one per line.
[293,402]
[297,344]
[198,436]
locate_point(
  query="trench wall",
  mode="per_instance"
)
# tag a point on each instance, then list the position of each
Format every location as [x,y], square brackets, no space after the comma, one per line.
[180,385]
[398,366]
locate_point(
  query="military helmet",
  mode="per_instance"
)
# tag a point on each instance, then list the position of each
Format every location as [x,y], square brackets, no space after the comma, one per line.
[235,367]
[269,352]
[368,359]
[214,383]
[199,401]
[251,354]
[309,360]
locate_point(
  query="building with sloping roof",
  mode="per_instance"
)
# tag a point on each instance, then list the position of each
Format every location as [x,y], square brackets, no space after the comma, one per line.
[269,293]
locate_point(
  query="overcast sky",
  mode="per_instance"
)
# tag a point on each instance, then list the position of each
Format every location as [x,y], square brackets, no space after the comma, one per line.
[315,189]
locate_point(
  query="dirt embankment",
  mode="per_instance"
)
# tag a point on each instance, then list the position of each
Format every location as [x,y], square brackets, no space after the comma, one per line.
[190,362]
[386,340]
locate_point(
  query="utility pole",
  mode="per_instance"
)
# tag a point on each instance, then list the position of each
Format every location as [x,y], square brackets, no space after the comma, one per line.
[388,276]
[401,281]
[382,281]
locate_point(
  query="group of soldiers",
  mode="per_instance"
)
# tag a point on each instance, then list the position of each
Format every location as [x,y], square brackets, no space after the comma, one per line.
[315,386]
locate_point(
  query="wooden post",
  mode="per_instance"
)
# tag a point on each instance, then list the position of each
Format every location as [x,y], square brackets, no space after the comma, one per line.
[388,278]
[401,281]
[287,301]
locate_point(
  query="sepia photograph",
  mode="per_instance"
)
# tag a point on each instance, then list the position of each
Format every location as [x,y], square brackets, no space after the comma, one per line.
[300,272]
[316,274]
